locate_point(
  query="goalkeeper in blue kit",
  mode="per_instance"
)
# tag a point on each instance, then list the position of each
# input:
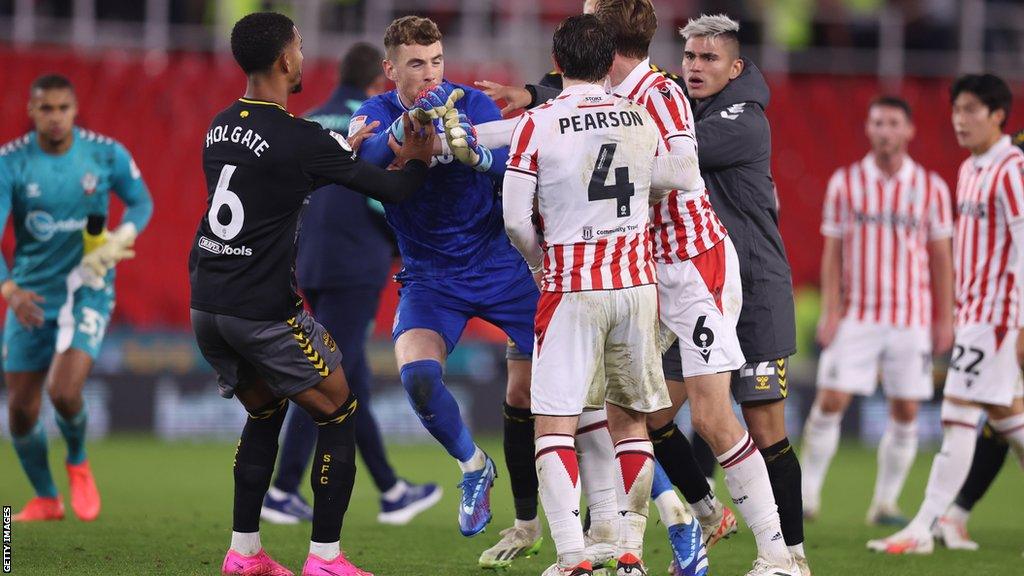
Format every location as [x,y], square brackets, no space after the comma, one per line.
[55,183]
[458,264]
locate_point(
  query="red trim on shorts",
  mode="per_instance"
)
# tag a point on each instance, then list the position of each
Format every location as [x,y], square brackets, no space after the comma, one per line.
[711,266]
[545,310]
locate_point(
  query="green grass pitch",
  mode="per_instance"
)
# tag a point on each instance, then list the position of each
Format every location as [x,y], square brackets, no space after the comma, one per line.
[167,510]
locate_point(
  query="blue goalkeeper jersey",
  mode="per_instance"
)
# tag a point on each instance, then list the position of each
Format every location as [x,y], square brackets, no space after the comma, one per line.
[453,224]
[49,198]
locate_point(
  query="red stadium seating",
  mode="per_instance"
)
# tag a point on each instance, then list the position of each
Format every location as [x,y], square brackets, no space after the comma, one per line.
[160,106]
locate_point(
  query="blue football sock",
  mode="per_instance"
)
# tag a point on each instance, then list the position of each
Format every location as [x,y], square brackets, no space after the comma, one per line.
[32,453]
[661,483]
[437,408]
[73,430]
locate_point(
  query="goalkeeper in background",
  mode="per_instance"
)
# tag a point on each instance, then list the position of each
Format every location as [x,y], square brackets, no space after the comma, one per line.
[60,293]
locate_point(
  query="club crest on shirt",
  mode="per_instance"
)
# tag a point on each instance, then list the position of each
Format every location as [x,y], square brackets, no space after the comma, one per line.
[89,183]
[32,190]
[588,232]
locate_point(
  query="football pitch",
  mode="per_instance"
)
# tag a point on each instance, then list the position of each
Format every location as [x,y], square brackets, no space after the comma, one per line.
[167,510]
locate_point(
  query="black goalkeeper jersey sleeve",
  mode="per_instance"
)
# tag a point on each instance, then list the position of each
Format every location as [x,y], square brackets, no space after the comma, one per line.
[260,164]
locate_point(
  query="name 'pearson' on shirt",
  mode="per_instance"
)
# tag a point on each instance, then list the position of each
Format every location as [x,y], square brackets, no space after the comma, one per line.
[595,120]
[248,138]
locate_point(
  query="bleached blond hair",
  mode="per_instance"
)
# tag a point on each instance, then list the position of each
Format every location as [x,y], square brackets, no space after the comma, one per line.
[710,26]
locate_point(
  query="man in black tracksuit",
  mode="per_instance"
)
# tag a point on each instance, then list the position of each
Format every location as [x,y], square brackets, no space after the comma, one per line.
[734,146]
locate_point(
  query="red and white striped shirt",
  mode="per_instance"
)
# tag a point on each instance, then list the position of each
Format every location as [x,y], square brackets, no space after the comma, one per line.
[684,224]
[885,225]
[591,156]
[989,237]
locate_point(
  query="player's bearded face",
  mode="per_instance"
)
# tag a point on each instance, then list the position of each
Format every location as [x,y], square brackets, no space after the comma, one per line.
[889,130]
[53,113]
[414,68]
[974,124]
[294,59]
[708,65]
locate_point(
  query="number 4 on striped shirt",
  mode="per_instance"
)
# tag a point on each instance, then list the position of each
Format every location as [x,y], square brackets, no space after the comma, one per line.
[621,191]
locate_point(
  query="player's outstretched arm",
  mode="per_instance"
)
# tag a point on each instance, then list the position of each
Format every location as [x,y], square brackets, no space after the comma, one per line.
[329,160]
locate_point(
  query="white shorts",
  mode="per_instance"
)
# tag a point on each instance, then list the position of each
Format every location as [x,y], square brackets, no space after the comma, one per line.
[597,346]
[861,351]
[983,367]
[700,303]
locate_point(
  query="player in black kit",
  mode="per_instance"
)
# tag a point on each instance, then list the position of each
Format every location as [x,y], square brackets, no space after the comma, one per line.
[260,164]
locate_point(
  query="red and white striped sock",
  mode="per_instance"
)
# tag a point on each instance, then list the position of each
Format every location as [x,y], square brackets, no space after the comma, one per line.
[558,474]
[747,479]
[635,459]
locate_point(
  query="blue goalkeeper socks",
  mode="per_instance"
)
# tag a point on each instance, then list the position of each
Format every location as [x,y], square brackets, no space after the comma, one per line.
[661,483]
[32,453]
[73,430]
[437,408]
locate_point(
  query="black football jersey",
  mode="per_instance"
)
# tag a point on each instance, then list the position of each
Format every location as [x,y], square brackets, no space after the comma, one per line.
[260,164]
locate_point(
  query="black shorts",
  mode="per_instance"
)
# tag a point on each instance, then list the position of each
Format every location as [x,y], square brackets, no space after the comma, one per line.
[288,355]
[754,382]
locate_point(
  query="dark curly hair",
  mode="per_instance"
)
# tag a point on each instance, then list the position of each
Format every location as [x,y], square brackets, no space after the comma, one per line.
[583,48]
[259,38]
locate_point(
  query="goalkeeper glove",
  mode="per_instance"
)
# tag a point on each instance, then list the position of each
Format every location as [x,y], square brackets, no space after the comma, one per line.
[434,102]
[117,247]
[462,141]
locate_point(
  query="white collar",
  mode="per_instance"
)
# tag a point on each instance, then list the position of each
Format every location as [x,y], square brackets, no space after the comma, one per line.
[904,173]
[583,89]
[990,155]
[635,77]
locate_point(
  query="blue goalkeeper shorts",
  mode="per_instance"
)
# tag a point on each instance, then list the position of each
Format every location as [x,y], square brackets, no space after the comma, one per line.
[81,323]
[507,299]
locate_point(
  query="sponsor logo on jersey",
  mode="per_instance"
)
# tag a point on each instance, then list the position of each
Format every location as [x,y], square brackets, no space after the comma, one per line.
[356,123]
[215,247]
[89,183]
[42,226]
[328,341]
[32,190]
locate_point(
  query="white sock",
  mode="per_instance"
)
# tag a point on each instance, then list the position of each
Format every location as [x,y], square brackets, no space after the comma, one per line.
[821,439]
[597,465]
[951,464]
[635,458]
[1012,429]
[246,543]
[671,509]
[532,526]
[396,492]
[328,551]
[558,476]
[896,453]
[746,476]
[276,493]
[706,506]
[476,462]
[958,514]
[797,550]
